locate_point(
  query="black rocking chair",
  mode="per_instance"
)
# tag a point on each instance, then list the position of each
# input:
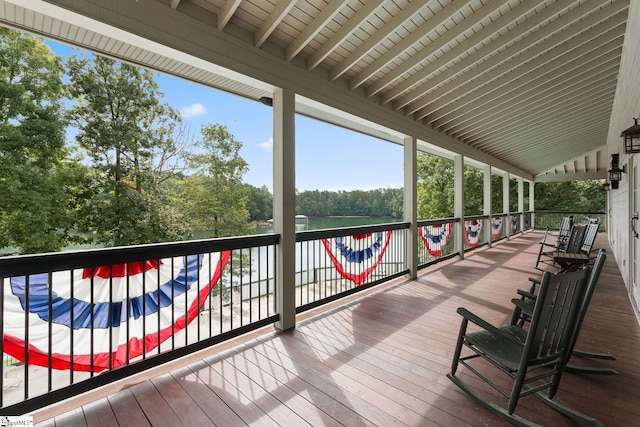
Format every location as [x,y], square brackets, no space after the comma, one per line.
[534,358]
[524,308]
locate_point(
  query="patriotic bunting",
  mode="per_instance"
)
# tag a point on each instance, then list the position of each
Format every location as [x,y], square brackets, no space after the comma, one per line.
[435,237]
[514,224]
[356,257]
[496,227]
[472,232]
[100,318]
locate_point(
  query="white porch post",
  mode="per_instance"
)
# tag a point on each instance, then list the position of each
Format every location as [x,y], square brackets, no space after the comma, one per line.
[532,200]
[521,202]
[505,204]
[284,205]
[487,203]
[411,204]
[458,202]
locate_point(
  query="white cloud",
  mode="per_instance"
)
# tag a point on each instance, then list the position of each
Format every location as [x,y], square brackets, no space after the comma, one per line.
[192,111]
[267,145]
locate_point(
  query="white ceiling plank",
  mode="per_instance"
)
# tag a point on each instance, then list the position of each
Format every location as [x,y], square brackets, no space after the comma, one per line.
[516,115]
[563,77]
[601,95]
[229,8]
[503,92]
[415,36]
[548,62]
[374,39]
[525,49]
[558,130]
[594,71]
[327,13]
[343,33]
[280,12]
[473,57]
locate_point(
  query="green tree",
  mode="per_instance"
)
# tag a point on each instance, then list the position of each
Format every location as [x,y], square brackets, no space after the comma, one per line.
[129,136]
[37,176]
[473,191]
[259,202]
[434,187]
[215,199]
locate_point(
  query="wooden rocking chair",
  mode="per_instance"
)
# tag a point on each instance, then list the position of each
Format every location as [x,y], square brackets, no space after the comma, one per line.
[580,241]
[561,236]
[533,358]
[524,309]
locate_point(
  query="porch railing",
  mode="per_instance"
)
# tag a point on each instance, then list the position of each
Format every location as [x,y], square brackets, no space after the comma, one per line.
[333,263]
[73,321]
[553,219]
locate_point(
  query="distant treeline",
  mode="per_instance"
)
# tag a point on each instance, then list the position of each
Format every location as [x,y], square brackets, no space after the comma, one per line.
[383,202]
[435,198]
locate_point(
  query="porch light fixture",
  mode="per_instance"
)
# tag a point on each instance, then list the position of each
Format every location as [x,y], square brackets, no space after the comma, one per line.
[615,173]
[632,138]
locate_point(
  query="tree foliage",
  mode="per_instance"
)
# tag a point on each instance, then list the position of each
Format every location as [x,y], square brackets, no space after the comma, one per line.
[577,196]
[383,202]
[37,175]
[127,133]
[215,199]
[259,202]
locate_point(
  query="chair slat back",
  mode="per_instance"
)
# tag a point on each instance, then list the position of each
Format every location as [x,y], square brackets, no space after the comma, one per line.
[565,228]
[555,315]
[575,240]
[590,235]
[589,290]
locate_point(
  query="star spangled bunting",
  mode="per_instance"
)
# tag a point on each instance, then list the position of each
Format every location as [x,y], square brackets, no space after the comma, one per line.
[103,317]
[356,257]
[514,224]
[435,237]
[496,227]
[472,231]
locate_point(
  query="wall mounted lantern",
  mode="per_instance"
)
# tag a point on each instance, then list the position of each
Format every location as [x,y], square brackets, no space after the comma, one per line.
[615,173]
[632,138]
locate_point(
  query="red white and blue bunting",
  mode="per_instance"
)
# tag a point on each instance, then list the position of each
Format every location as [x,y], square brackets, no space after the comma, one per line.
[514,224]
[356,257]
[99,319]
[496,228]
[472,232]
[435,237]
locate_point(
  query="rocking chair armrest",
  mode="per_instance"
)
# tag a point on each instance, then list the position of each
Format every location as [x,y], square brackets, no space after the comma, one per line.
[466,314]
[525,294]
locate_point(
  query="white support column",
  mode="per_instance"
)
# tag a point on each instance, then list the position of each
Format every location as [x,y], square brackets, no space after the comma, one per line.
[458,202]
[284,205]
[411,204]
[520,202]
[487,203]
[532,202]
[505,204]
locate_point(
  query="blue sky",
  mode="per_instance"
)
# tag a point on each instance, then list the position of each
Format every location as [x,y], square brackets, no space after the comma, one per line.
[327,157]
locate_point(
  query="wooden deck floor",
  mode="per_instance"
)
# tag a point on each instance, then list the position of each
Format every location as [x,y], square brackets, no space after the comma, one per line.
[380,359]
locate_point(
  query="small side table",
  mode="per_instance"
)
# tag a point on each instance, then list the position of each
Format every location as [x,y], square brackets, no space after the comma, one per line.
[570,262]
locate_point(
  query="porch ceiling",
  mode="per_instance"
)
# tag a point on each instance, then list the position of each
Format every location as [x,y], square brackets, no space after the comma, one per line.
[528,83]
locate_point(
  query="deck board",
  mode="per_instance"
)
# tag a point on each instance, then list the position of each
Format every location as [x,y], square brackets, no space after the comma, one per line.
[381,359]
